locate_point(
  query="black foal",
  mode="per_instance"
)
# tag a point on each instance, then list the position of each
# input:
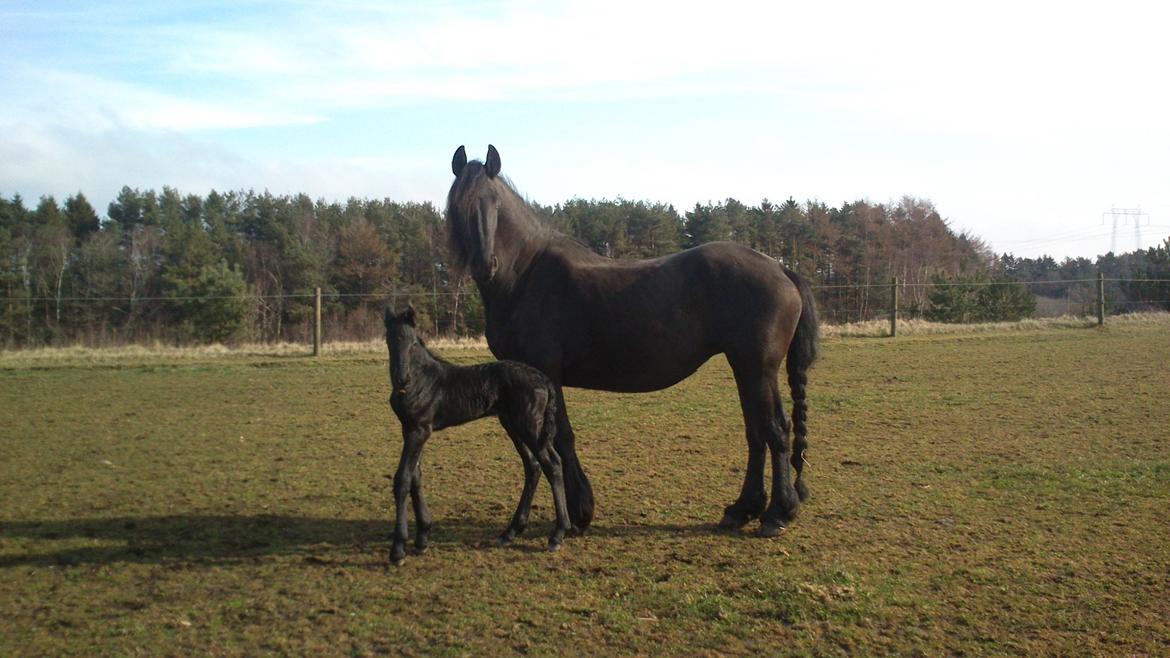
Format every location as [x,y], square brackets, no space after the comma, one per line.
[431,394]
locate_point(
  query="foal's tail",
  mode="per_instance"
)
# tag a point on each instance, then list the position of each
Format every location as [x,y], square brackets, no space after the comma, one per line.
[801,354]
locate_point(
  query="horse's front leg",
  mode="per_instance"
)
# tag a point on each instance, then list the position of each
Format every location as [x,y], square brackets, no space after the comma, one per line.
[412,443]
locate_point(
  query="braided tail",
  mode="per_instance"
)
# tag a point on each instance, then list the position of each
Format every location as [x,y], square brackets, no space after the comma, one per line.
[802,352]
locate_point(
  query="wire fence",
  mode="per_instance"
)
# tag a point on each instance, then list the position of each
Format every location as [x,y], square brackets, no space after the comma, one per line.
[423,294]
[312,316]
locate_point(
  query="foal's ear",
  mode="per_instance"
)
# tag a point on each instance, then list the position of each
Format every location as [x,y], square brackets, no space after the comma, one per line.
[493,162]
[408,315]
[459,161]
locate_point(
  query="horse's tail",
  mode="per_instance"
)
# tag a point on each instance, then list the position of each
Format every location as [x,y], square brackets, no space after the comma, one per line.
[802,352]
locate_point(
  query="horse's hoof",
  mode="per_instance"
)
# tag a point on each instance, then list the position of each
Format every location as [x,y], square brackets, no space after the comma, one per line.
[397,554]
[771,529]
[554,547]
[731,522]
[503,540]
[422,549]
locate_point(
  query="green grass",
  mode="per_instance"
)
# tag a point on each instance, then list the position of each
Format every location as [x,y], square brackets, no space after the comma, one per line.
[981,493]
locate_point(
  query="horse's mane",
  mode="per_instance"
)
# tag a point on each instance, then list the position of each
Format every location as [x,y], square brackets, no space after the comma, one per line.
[525,219]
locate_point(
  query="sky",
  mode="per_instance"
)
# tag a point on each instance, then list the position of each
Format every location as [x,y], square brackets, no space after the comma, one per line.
[1025,123]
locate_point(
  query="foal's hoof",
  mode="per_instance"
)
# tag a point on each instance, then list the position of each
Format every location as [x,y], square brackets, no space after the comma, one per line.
[771,529]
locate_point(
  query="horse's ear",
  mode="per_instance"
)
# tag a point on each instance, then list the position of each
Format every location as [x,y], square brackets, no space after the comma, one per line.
[459,161]
[493,162]
[387,317]
[408,315]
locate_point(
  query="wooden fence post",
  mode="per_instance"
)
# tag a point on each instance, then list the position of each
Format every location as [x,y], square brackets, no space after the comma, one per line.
[1100,299]
[893,307]
[317,323]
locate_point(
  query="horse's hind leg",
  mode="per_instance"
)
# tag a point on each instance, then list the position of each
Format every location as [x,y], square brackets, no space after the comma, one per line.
[785,496]
[578,490]
[551,463]
[753,498]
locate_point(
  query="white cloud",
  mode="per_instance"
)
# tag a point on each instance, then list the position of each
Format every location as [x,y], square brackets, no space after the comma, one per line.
[1020,120]
[60,161]
[83,101]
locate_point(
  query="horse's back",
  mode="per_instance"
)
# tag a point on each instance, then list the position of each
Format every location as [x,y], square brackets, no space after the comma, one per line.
[645,325]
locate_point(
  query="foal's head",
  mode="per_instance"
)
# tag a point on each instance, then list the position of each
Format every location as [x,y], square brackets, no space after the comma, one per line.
[406,348]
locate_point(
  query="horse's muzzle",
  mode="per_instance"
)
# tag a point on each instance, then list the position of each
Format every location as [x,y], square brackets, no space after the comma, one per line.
[488,273]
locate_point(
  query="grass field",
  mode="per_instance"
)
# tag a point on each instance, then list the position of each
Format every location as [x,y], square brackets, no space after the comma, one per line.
[973,493]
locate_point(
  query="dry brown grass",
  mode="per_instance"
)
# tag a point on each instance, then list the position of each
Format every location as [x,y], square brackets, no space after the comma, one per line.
[160,352]
[881,328]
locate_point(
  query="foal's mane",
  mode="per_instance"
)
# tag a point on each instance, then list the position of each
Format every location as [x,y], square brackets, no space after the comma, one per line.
[418,336]
[431,352]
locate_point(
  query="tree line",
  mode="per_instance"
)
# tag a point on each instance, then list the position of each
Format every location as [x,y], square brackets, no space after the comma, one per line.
[242,266]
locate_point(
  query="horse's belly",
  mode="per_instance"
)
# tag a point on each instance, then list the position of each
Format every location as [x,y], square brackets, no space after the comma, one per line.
[631,373]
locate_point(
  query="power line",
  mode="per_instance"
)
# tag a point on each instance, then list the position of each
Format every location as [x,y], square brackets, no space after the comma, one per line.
[1124,214]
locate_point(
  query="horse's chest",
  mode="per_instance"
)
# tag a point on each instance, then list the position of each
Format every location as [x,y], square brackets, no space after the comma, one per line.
[528,334]
[506,340]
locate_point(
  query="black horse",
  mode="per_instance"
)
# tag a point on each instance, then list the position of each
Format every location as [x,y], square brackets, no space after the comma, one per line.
[644,325]
[431,394]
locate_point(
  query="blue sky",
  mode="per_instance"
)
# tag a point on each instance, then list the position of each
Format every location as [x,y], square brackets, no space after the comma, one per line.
[1022,121]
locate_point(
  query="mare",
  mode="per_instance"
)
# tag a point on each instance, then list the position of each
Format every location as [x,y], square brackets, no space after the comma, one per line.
[640,325]
[431,394]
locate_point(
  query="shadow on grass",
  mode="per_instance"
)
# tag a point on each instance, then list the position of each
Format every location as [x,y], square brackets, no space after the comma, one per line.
[230,538]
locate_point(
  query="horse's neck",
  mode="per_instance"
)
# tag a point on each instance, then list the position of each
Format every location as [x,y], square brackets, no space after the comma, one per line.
[520,239]
[526,240]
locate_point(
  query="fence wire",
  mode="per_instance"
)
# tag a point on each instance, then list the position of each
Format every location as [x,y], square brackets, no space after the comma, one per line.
[291,316]
[386,295]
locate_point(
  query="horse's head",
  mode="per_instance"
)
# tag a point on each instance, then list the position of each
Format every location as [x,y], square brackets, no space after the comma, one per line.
[406,348]
[473,207]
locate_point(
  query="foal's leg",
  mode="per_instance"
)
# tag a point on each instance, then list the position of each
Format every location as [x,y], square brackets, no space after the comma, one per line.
[531,479]
[753,498]
[578,491]
[412,443]
[422,515]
